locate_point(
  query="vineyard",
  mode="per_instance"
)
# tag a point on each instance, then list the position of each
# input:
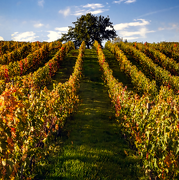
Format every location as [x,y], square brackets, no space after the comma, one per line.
[41,96]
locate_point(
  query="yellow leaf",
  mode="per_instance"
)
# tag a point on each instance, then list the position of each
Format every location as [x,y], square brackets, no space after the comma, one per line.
[4,162]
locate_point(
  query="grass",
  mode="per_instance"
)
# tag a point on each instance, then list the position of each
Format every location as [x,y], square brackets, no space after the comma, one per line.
[66,68]
[92,146]
[140,68]
[117,73]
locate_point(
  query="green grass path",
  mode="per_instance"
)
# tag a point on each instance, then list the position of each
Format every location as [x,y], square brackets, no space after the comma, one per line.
[93,147]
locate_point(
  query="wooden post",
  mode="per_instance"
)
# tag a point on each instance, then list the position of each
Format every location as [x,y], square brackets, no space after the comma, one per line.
[148,107]
[22,167]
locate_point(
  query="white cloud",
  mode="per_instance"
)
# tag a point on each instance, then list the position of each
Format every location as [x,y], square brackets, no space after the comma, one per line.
[65,12]
[97,11]
[160,28]
[84,9]
[25,36]
[1,38]
[63,29]
[118,2]
[171,26]
[122,26]
[125,1]
[130,1]
[14,33]
[38,25]
[80,12]
[93,6]
[109,28]
[158,11]
[131,38]
[142,32]
[41,3]
[53,36]
[126,30]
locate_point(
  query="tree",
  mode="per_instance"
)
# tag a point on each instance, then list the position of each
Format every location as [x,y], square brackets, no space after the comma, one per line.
[89,28]
[117,40]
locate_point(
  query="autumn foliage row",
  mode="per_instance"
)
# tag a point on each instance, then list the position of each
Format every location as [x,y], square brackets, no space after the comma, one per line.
[9,46]
[151,70]
[158,57]
[139,80]
[43,75]
[28,119]
[154,132]
[170,49]
[16,55]
[18,68]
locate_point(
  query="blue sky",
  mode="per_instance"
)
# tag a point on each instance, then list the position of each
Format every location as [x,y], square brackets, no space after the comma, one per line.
[45,20]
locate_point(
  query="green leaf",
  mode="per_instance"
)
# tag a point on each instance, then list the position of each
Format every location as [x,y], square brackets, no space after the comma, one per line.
[155,163]
[177,150]
[10,162]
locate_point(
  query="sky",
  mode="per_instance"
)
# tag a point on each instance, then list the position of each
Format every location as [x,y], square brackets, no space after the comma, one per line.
[46,20]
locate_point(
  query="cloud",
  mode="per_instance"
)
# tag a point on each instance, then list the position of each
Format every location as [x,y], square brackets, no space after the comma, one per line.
[41,3]
[65,12]
[160,28]
[171,26]
[25,36]
[125,1]
[54,35]
[122,26]
[142,32]
[97,11]
[89,8]
[127,30]
[79,12]
[131,38]
[93,6]
[84,9]
[38,25]
[158,11]
[129,1]
[62,29]
[1,38]
[14,33]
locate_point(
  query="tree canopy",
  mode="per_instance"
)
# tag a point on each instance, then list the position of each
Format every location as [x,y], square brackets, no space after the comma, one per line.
[89,28]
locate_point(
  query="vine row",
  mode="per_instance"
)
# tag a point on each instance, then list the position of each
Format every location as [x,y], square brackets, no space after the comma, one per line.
[154,132]
[139,80]
[28,121]
[159,58]
[152,70]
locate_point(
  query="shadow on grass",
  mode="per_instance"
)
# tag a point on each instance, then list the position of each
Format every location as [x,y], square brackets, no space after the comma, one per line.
[117,73]
[66,69]
[140,68]
[93,146]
